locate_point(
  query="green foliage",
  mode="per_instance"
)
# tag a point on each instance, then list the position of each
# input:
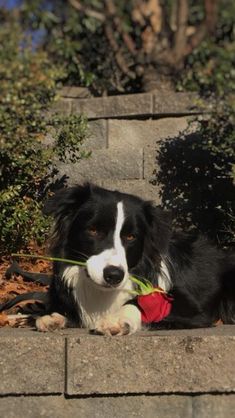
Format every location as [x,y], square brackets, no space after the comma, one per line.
[197,181]
[28,88]
[77,43]
[197,171]
[71,39]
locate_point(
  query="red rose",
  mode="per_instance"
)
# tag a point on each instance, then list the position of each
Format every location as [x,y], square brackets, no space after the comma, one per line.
[154,307]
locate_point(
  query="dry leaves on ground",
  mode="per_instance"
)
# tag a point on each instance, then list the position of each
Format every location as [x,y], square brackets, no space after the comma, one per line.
[16,285]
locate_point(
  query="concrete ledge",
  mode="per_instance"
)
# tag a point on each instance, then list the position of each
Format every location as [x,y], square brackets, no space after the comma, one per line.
[168,406]
[31,363]
[157,364]
[142,105]
[74,363]
[176,103]
[114,106]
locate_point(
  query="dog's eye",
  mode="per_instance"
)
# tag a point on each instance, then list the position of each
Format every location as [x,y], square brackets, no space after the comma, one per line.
[93,232]
[129,237]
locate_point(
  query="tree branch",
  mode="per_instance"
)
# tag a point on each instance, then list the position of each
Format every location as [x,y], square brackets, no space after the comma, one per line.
[89,12]
[180,39]
[208,26]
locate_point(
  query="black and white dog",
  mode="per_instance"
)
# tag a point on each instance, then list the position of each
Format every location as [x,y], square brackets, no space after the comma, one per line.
[118,234]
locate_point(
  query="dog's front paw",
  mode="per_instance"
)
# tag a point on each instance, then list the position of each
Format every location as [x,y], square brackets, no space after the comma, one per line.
[126,321]
[111,326]
[51,322]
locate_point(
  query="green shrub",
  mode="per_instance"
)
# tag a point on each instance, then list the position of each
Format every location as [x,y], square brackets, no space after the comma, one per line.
[197,180]
[28,88]
[197,171]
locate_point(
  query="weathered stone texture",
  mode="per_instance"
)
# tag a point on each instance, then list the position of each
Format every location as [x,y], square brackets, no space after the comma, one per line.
[116,164]
[214,406]
[138,133]
[115,106]
[115,407]
[176,103]
[62,106]
[180,364]
[75,92]
[97,135]
[140,188]
[31,364]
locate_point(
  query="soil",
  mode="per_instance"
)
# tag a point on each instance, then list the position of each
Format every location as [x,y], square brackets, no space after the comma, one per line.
[10,288]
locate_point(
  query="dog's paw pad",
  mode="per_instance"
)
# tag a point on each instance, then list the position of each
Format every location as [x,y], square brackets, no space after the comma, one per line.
[109,328]
[50,322]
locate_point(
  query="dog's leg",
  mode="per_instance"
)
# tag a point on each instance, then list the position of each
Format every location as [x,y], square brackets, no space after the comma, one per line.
[51,322]
[126,321]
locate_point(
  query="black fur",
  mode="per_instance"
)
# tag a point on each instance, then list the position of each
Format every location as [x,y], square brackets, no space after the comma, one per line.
[202,276]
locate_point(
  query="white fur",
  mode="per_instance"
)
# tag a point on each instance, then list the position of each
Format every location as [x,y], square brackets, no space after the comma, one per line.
[115,256]
[126,321]
[164,279]
[98,304]
[94,301]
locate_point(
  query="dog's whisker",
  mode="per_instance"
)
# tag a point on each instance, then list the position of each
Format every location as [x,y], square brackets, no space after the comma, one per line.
[76,253]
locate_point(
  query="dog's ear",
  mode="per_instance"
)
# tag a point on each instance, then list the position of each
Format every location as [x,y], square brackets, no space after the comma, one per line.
[160,227]
[67,200]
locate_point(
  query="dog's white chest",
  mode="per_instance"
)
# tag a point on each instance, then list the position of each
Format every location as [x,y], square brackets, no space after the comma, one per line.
[94,303]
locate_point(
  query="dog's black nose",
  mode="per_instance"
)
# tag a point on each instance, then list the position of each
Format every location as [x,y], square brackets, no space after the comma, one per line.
[113,275]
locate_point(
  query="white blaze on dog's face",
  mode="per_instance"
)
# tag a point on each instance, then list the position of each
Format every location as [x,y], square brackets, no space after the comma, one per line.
[109,268]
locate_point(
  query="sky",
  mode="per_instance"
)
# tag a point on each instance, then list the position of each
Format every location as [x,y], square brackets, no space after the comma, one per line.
[9,3]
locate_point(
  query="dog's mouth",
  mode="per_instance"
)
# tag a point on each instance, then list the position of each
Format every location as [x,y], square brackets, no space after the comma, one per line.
[104,285]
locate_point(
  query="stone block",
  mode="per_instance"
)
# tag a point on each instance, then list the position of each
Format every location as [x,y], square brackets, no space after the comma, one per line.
[214,406]
[75,92]
[114,106]
[31,363]
[136,364]
[138,133]
[141,188]
[94,407]
[97,135]
[105,164]
[170,103]
[62,106]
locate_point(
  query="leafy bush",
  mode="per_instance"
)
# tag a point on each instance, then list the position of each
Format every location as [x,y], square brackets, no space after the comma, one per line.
[28,88]
[197,171]
[197,180]
[115,46]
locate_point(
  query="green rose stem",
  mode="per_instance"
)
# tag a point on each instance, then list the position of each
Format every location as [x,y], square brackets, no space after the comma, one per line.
[145,286]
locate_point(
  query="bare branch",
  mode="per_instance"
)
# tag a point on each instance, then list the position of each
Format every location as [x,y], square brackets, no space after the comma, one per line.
[211,8]
[180,39]
[111,38]
[208,26]
[111,11]
[120,59]
[89,12]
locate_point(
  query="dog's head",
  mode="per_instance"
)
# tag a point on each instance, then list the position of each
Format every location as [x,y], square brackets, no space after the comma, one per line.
[109,230]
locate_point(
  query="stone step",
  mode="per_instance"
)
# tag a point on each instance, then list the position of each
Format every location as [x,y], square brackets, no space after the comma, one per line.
[74,363]
[169,406]
[131,105]
[103,164]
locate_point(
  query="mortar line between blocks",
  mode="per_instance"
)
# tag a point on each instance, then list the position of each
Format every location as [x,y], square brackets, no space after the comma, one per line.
[152,105]
[107,133]
[143,164]
[65,365]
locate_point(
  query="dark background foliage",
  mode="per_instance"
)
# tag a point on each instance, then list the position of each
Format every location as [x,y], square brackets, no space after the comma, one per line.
[27,166]
[116,47]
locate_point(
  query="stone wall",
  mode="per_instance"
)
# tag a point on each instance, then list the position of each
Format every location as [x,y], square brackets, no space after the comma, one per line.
[158,374]
[124,136]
